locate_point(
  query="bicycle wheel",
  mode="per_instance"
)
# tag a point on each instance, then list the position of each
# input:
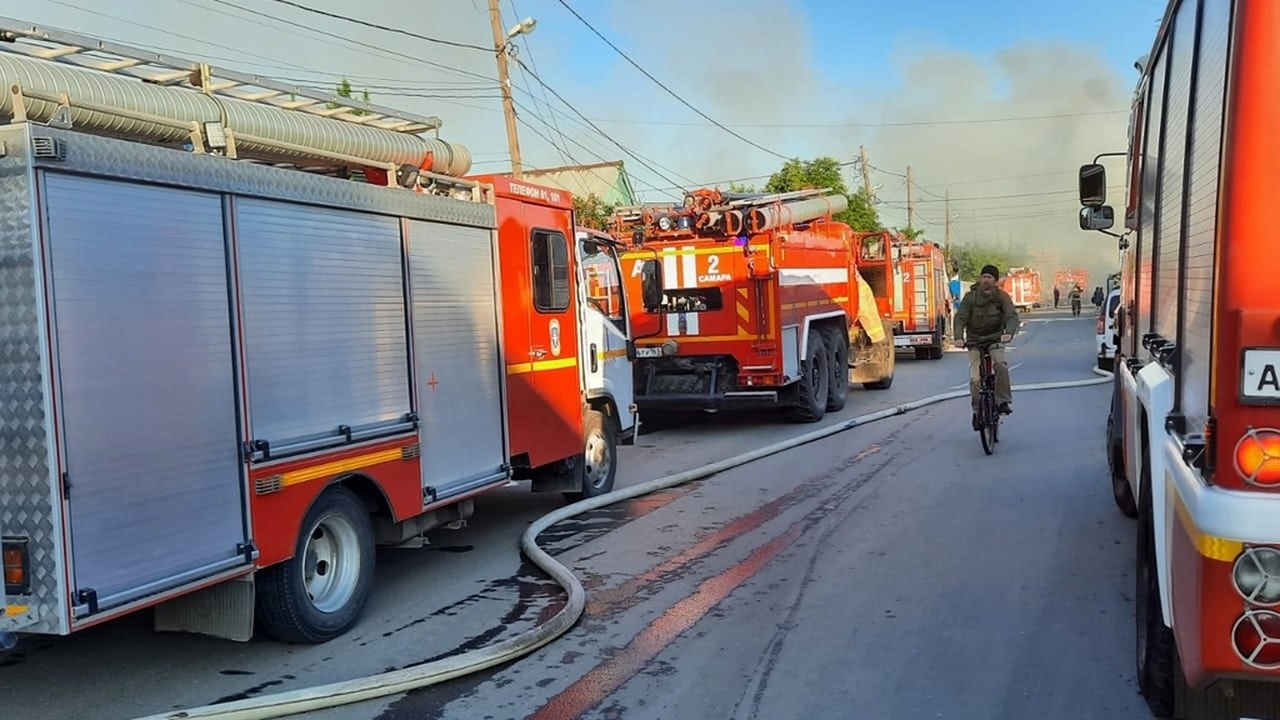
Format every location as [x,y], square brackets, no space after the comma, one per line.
[987,416]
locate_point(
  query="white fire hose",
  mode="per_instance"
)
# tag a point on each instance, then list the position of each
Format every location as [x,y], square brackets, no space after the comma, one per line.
[419,676]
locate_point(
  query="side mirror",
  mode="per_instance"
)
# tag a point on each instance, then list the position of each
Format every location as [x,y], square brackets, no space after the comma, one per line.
[1093,185]
[1097,218]
[651,284]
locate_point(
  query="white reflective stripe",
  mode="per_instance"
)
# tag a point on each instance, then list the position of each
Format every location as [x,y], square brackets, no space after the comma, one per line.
[690,277]
[805,276]
[670,269]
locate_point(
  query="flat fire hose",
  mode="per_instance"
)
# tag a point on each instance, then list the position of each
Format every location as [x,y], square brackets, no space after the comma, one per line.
[414,677]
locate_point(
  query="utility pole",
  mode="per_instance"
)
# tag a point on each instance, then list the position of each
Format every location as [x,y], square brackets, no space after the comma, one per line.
[948,206]
[911,207]
[500,40]
[866,170]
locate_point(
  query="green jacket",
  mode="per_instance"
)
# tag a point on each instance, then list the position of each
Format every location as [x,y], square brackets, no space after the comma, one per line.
[985,316]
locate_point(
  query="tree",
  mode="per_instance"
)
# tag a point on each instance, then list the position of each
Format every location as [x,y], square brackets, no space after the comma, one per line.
[824,172]
[592,212]
[970,258]
[911,233]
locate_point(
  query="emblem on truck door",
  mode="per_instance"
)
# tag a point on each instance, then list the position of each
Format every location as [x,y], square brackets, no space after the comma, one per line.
[555,337]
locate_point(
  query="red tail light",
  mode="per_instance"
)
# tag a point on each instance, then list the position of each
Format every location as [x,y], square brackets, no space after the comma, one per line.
[1100,325]
[1256,638]
[1258,457]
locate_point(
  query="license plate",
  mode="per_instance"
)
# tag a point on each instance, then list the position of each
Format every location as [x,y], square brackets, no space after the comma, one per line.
[648,352]
[1260,376]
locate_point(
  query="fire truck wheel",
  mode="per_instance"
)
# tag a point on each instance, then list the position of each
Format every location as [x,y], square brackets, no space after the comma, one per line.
[1120,490]
[599,457]
[810,401]
[1157,656]
[837,342]
[318,594]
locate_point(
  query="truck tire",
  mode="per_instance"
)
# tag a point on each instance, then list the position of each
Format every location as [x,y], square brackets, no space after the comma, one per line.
[1157,655]
[837,342]
[319,593]
[599,465]
[1120,490]
[810,401]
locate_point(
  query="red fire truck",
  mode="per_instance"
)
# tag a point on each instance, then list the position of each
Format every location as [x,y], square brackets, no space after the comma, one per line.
[1023,285]
[228,378]
[1064,280]
[750,300]
[921,297]
[1194,428]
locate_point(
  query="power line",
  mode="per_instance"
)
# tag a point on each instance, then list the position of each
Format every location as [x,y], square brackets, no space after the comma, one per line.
[669,91]
[902,123]
[343,38]
[593,126]
[376,26]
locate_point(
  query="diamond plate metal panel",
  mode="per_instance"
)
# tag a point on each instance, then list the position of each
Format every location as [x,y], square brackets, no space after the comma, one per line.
[29,503]
[134,161]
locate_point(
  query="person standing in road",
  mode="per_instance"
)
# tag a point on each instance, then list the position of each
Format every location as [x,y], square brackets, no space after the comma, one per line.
[1057,297]
[987,315]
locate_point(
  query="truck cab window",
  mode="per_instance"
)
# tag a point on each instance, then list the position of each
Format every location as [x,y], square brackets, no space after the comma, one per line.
[603,281]
[550,271]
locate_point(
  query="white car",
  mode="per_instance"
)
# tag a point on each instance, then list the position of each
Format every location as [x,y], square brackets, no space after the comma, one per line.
[1106,331]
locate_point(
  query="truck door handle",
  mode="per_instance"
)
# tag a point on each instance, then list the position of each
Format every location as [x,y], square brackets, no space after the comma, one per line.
[537,353]
[595,360]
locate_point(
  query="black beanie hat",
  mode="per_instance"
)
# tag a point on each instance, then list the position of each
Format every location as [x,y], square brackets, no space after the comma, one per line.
[990,270]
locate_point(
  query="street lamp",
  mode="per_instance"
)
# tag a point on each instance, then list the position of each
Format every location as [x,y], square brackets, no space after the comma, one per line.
[500,45]
[524,27]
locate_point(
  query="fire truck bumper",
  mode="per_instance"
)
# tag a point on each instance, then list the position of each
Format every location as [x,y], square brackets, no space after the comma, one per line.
[696,401]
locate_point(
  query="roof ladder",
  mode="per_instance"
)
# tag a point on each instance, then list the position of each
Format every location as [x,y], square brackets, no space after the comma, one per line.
[105,56]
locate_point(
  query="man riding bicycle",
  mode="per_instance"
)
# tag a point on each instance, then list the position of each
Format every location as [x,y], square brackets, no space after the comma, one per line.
[986,316]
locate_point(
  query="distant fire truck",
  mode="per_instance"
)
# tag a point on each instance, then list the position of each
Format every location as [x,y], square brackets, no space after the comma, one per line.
[1023,285]
[921,297]
[250,333]
[750,300]
[1193,436]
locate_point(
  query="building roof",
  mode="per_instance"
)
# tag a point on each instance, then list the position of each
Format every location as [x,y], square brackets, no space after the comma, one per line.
[608,181]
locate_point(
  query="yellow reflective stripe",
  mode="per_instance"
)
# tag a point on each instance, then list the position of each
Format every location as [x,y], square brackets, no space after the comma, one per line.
[814,303]
[1214,548]
[522,368]
[611,354]
[12,610]
[681,252]
[337,467]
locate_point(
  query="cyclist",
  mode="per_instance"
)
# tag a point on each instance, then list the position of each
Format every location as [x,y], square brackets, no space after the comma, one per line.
[987,315]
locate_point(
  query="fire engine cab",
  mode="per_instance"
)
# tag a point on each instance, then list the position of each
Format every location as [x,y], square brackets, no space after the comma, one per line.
[250,332]
[1194,427]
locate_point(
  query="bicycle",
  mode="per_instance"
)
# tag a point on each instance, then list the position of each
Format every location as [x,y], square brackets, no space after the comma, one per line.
[988,408]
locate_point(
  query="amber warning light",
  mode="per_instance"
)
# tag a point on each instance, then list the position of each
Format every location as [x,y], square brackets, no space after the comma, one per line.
[16,567]
[1258,457]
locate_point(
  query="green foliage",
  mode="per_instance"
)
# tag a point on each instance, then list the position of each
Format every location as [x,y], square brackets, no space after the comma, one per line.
[740,188]
[344,91]
[591,212]
[971,257]
[911,233]
[824,172]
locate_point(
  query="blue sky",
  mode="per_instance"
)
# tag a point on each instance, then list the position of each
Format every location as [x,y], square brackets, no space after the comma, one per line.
[1001,98]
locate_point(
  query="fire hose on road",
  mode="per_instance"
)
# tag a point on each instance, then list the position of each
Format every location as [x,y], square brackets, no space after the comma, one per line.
[419,676]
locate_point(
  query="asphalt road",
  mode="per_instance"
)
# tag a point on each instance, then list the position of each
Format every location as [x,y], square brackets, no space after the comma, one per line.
[891,571]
